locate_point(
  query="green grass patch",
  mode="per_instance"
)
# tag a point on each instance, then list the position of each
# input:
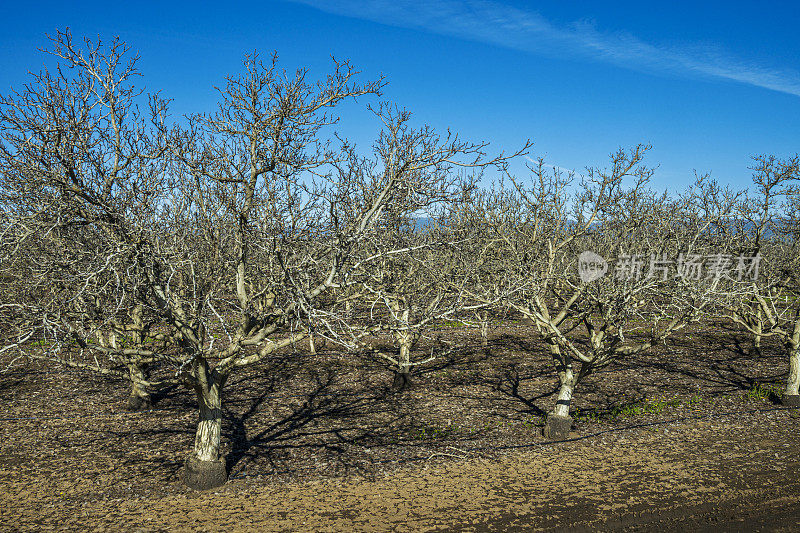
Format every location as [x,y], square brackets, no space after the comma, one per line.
[435,432]
[762,392]
[633,409]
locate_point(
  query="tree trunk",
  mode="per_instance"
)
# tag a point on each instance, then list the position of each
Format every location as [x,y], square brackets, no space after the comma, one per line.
[559,423]
[205,469]
[312,347]
[402,376]
[484,324]
[568,382]
[209,429]
[140,396]
[757,335]
[791,396]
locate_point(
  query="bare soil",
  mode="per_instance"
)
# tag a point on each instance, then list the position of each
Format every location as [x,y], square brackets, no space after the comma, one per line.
[690,436]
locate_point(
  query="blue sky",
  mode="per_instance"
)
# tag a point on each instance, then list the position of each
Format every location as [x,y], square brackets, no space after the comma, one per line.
[707,85]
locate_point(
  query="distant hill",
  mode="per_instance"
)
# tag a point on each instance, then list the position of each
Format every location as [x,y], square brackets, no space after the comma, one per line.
[421,222]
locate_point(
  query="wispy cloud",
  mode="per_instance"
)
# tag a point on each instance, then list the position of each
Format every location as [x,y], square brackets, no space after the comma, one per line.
[492,22]
[548,166]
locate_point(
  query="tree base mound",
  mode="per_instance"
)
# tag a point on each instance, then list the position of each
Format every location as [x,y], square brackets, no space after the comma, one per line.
[204,475]
[791,400]
[138,403]
[557,427]
[401,382]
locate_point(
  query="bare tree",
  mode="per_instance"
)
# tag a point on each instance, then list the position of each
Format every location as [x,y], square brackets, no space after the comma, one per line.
[406,273]
[77,163]
[408,292]
[767,230]
[203,247]
[551,232]
[130,227]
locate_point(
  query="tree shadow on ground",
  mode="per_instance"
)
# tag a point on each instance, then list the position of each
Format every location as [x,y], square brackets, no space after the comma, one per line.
[330,414]
[710,361]
[335,414]
[326,416]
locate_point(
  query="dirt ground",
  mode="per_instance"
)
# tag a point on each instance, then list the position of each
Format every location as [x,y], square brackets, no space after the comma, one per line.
[688,437]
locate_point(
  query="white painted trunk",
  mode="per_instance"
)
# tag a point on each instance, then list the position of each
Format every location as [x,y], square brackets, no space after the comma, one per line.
[565,393]
[757,337]
[209,429]
[758,330]
[405,357]
[403,370]
[312,347]
[137,390]
[793,381]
